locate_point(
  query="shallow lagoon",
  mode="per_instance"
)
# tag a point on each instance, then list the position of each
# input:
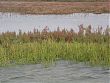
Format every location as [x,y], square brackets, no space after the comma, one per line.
[14,22]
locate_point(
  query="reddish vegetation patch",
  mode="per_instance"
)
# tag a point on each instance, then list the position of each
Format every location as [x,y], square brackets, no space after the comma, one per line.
[54,7]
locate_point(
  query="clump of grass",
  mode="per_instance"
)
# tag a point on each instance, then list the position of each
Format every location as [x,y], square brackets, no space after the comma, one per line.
[50,51]
[46,46]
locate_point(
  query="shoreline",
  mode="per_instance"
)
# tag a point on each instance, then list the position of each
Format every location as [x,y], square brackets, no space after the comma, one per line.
[43,8]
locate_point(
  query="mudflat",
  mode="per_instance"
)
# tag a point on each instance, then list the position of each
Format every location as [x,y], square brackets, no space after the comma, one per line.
[54,7]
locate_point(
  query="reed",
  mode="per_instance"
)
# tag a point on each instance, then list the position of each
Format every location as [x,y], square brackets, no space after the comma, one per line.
[48,46]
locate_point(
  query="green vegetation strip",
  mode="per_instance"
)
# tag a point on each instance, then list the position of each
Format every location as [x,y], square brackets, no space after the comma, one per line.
[46,47]
[50,51]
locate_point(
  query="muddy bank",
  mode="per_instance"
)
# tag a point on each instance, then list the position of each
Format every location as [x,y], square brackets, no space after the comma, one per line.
[54,7]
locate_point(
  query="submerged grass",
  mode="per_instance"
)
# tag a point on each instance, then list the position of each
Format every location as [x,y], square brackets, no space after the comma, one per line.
[46,47]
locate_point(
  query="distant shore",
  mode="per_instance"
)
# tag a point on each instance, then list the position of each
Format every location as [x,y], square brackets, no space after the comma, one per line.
[54,7]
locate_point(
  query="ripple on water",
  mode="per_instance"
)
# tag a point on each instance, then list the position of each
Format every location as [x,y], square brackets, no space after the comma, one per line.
[61,72]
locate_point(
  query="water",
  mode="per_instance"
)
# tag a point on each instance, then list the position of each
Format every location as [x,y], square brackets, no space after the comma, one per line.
[14,22]
[62,72]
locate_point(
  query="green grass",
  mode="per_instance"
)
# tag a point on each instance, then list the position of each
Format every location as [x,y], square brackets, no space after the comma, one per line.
[45,47]
[50,51]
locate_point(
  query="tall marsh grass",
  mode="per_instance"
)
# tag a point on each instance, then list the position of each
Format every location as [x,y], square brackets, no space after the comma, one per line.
[46,47]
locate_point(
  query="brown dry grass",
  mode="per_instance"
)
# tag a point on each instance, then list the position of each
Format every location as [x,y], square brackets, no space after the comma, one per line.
[54,7]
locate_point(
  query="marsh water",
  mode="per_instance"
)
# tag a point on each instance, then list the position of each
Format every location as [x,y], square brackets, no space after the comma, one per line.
[61,72]
[14,21]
